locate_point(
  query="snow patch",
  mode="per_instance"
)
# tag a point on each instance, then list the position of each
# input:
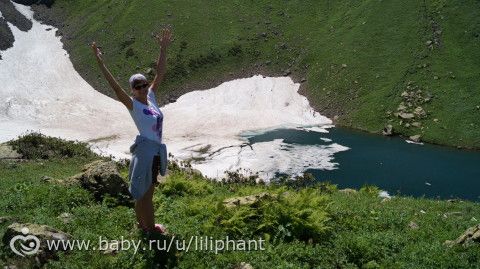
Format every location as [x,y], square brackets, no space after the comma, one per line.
[41,91]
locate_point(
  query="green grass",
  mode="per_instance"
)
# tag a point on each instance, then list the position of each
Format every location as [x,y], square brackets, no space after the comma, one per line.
[305,226]
[382,44]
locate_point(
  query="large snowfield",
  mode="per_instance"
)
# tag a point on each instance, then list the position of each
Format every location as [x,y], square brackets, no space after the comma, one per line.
[41,91]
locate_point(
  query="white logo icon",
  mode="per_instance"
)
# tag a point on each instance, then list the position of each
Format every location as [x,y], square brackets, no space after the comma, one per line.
[31,246]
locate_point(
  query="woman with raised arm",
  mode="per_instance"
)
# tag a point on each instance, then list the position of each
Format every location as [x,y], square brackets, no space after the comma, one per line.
[149,155]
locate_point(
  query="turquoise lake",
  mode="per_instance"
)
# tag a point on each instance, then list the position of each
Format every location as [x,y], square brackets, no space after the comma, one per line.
[391,164]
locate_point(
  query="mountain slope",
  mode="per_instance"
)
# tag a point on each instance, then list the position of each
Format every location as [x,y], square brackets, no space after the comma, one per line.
[355,58]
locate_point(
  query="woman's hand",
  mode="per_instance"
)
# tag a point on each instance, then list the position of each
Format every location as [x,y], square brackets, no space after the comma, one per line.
[165,38]
[97,52]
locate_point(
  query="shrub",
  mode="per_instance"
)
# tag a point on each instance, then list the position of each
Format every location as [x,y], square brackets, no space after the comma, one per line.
[38,146]
[298,215]
[178,185]
[370,189]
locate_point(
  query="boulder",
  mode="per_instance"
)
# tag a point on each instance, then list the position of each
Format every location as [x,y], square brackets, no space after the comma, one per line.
[247,200]
[388,130]
[469,237]
[417,124]
[244,265]
[348,191]
[401,107]
[415,138]
[102,178]
[419,112]
[405,116]
[32,240]
[7,152]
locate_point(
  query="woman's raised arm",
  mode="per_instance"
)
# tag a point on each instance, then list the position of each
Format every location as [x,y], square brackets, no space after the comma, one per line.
[119,91]
[164,41]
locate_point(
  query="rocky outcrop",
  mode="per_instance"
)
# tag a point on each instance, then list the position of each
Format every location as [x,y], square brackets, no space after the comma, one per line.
[247,200]
[33,240]
[6,35]
[388,130]
[102,178]
[410,110]
[415,138]
[7,152]
[13,16]
[470,237]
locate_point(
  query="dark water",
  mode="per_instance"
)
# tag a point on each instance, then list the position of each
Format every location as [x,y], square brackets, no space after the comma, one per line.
[392,164]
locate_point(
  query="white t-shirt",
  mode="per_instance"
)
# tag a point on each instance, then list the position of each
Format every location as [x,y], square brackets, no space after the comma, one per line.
[148,118]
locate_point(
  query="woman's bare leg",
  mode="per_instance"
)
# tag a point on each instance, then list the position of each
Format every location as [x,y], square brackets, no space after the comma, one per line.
[144,209]
[138,214]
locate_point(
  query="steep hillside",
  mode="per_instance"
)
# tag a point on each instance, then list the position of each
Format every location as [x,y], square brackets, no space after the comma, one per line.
[412,64]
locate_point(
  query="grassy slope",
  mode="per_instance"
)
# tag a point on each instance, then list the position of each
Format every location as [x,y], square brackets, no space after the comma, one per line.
[350,230]
[362,229]
[382,44]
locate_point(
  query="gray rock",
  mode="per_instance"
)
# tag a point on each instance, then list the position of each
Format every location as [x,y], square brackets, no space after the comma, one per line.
[244,265]
[419,112]
[102,178]
[15,17]
[415,138]
[7,152]
[111,248]
[388,130]
[46,179]
[36,236]
[405,116]
[247,200]
[417,124]
[470,237]
[348,191]
[7,36]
